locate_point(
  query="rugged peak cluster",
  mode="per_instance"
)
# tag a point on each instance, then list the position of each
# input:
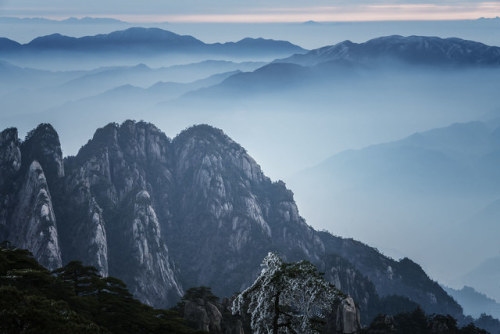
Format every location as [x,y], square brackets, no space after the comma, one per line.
[166,215]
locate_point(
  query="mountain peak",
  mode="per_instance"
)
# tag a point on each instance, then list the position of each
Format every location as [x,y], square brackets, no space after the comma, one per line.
[104,136]
[42,144]
[203,131]
[42,130]
[8,44]
[134,139]
[425,50]
[151,38]
[52,41]
[141,34]
[8,135]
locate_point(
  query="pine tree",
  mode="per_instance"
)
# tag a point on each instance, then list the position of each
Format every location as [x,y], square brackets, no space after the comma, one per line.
[287,298]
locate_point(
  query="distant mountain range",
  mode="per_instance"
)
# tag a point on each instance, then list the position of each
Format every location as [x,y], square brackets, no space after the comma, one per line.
[147,40]
[346,61]
[332,90]
[420,50]
[50,89]
[442,184]
[474,303]
[460,158]
[485,276]
[70,20]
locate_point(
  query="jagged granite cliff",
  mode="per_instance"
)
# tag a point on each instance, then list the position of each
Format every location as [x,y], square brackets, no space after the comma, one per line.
[166,215]
[26,210]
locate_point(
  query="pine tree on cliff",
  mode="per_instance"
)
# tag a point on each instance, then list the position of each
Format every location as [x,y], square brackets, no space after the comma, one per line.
[287,298]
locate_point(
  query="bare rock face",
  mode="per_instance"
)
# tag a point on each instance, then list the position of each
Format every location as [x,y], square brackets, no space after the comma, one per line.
[33,221]
[27,217]
[10,163]
[228,213]
[84,227]
[348,279]
[10,155]
[205,315]
[201,308]
[122,181]
[348,317]
[155,281]
[97,249]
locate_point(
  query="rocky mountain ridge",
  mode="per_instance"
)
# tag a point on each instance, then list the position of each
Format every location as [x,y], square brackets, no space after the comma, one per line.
[166,215]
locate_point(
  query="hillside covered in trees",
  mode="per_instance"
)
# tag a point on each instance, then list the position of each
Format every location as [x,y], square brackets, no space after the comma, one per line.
[75,299]
[72,299]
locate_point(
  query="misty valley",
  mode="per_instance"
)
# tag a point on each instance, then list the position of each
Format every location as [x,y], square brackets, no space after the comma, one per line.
[152,182]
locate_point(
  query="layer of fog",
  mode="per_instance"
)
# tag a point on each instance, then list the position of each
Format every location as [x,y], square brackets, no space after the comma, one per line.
[441,188]
[71,62]
[303,124]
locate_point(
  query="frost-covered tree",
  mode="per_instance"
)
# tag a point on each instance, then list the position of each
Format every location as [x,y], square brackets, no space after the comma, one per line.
[287,298]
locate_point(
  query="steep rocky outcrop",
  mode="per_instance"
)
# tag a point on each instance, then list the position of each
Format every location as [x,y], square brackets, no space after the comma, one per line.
[353,283]
[10,163]
[33,223]
[348,317]
[206,313]
[121,183]
[84,231]
[153,276]
[166,215]
[27,217]
[10,156]
[229,215]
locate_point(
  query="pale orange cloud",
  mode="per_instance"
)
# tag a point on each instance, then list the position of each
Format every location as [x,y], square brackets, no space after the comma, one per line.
[377,12]
[361,12]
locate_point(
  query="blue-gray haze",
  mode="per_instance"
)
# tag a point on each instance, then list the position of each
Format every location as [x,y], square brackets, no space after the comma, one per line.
[290,118]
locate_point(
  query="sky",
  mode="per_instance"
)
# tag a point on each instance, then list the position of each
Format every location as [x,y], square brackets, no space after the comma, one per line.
[253,11]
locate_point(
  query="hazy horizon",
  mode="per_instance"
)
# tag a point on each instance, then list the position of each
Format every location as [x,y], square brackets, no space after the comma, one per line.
[309,35]
[256,11]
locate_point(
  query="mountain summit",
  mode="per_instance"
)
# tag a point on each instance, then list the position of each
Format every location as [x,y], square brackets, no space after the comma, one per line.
[422,50]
